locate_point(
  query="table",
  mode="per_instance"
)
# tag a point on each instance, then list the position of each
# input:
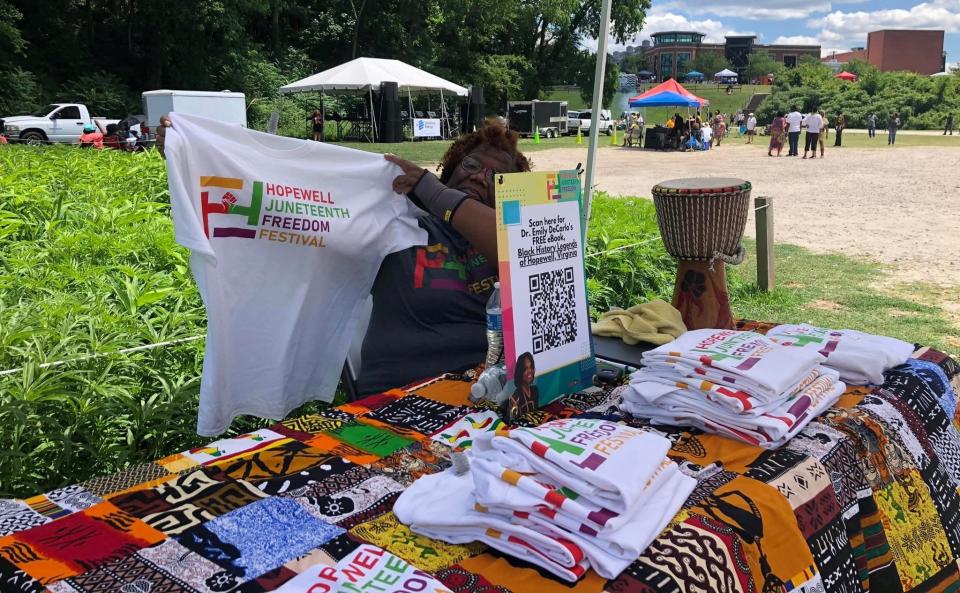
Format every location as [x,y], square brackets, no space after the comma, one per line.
[865,497]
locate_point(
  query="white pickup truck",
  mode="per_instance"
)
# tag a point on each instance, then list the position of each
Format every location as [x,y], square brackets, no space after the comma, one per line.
[57,122]
[582,120]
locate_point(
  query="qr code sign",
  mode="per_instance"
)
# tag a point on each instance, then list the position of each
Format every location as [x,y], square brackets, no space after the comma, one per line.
[553,309]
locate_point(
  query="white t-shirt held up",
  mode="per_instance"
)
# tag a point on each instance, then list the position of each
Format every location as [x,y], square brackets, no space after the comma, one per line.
[286,238]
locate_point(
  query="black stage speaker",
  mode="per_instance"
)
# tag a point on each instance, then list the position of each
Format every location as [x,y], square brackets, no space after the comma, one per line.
[388,116]
[471,111]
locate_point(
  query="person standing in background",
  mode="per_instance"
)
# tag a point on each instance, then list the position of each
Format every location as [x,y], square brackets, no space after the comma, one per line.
[777,133]
[794,123]
[893,124]
[751,128]
[317,119]
[813,123]
[872,125]
[823,132]
[948,125]
[839,124]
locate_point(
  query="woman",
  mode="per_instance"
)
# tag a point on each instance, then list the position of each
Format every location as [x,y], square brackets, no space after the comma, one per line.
[777,134]
[718,128]
[317,119]
[429,303]
[526,396]
[91,137]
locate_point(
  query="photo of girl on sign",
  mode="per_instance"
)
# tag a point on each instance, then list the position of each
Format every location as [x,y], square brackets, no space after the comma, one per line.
[525,396]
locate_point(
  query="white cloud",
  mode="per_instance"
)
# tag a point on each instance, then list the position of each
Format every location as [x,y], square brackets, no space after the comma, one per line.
[657,20]
[796,40]
[850,28]
[745,9]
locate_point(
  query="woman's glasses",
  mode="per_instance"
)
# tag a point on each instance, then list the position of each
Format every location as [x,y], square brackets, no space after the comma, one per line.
[471,165]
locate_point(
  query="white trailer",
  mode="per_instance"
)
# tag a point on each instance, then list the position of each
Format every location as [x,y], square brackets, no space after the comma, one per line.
[222,106]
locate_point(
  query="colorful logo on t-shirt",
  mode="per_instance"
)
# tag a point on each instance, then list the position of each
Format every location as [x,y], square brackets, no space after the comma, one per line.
[746,347]
[270,211]
[436,268]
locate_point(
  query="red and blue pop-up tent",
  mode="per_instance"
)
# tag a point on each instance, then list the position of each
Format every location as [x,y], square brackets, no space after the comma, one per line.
[686,98]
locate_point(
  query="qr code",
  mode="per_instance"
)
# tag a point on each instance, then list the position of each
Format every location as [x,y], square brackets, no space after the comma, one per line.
[553,309]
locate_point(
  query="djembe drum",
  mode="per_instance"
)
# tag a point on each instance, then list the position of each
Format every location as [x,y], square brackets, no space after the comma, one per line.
[701,222]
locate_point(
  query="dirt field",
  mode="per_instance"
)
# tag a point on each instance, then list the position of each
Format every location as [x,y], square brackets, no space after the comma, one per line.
[897,206]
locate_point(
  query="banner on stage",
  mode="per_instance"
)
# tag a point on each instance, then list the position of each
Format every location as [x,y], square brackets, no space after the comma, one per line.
[426,128]
[543,290]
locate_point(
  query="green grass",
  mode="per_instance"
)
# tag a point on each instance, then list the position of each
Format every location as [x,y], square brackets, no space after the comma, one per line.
[842,292]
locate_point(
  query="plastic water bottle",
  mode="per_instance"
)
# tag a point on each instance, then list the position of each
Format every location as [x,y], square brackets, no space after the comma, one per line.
[494,328]
[489,384]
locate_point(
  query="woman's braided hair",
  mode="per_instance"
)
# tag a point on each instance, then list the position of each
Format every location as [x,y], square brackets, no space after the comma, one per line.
[493,135]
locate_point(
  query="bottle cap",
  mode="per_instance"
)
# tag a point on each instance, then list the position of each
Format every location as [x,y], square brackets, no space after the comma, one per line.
[496,285]
[477,390]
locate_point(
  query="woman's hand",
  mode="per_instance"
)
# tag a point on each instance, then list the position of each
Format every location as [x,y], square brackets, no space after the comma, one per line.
[162,134]
[404,184]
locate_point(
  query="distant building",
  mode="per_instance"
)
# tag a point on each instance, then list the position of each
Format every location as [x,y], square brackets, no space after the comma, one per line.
[671,53]
[889,50]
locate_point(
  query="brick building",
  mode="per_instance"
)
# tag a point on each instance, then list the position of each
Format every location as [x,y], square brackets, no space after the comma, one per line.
[671,53]
[917,51]
[890,50]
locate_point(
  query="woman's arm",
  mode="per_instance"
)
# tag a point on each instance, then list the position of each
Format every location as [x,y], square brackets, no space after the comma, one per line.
[474,220]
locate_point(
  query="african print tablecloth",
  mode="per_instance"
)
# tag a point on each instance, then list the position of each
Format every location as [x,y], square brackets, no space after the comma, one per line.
[866,498]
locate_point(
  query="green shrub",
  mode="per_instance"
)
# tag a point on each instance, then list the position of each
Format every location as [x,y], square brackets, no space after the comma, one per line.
[922,101]
[626,261]
[104,94]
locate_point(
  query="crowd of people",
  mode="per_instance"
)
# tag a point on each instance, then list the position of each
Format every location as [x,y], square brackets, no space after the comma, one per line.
[119,136]
[786,128]
[702,132]
[790,130]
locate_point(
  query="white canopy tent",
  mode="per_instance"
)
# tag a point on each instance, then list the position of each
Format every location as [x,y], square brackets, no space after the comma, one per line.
[364,75]
[725,73]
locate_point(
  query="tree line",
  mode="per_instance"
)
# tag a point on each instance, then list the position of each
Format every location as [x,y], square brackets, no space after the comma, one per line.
[921,102]
[106,52]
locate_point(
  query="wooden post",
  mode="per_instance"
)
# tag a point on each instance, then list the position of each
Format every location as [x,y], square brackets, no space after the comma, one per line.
[763,209]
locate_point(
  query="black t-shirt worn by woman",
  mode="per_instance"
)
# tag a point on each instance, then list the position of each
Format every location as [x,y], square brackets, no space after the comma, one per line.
[429,311]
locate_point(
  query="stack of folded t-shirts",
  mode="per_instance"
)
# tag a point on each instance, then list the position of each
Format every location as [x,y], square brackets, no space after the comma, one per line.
[860,358]
[739,384]
[569,495]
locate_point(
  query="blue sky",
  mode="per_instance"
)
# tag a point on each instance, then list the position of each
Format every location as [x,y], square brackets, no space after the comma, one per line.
[835,25]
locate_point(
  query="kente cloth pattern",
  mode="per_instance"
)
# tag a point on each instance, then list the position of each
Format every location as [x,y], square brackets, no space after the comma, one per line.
[865,498]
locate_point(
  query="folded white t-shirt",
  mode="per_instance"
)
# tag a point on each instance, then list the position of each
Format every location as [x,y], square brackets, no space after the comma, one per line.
[286,238]
[742,358]
[442,506]
[859,357]
[601,460]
